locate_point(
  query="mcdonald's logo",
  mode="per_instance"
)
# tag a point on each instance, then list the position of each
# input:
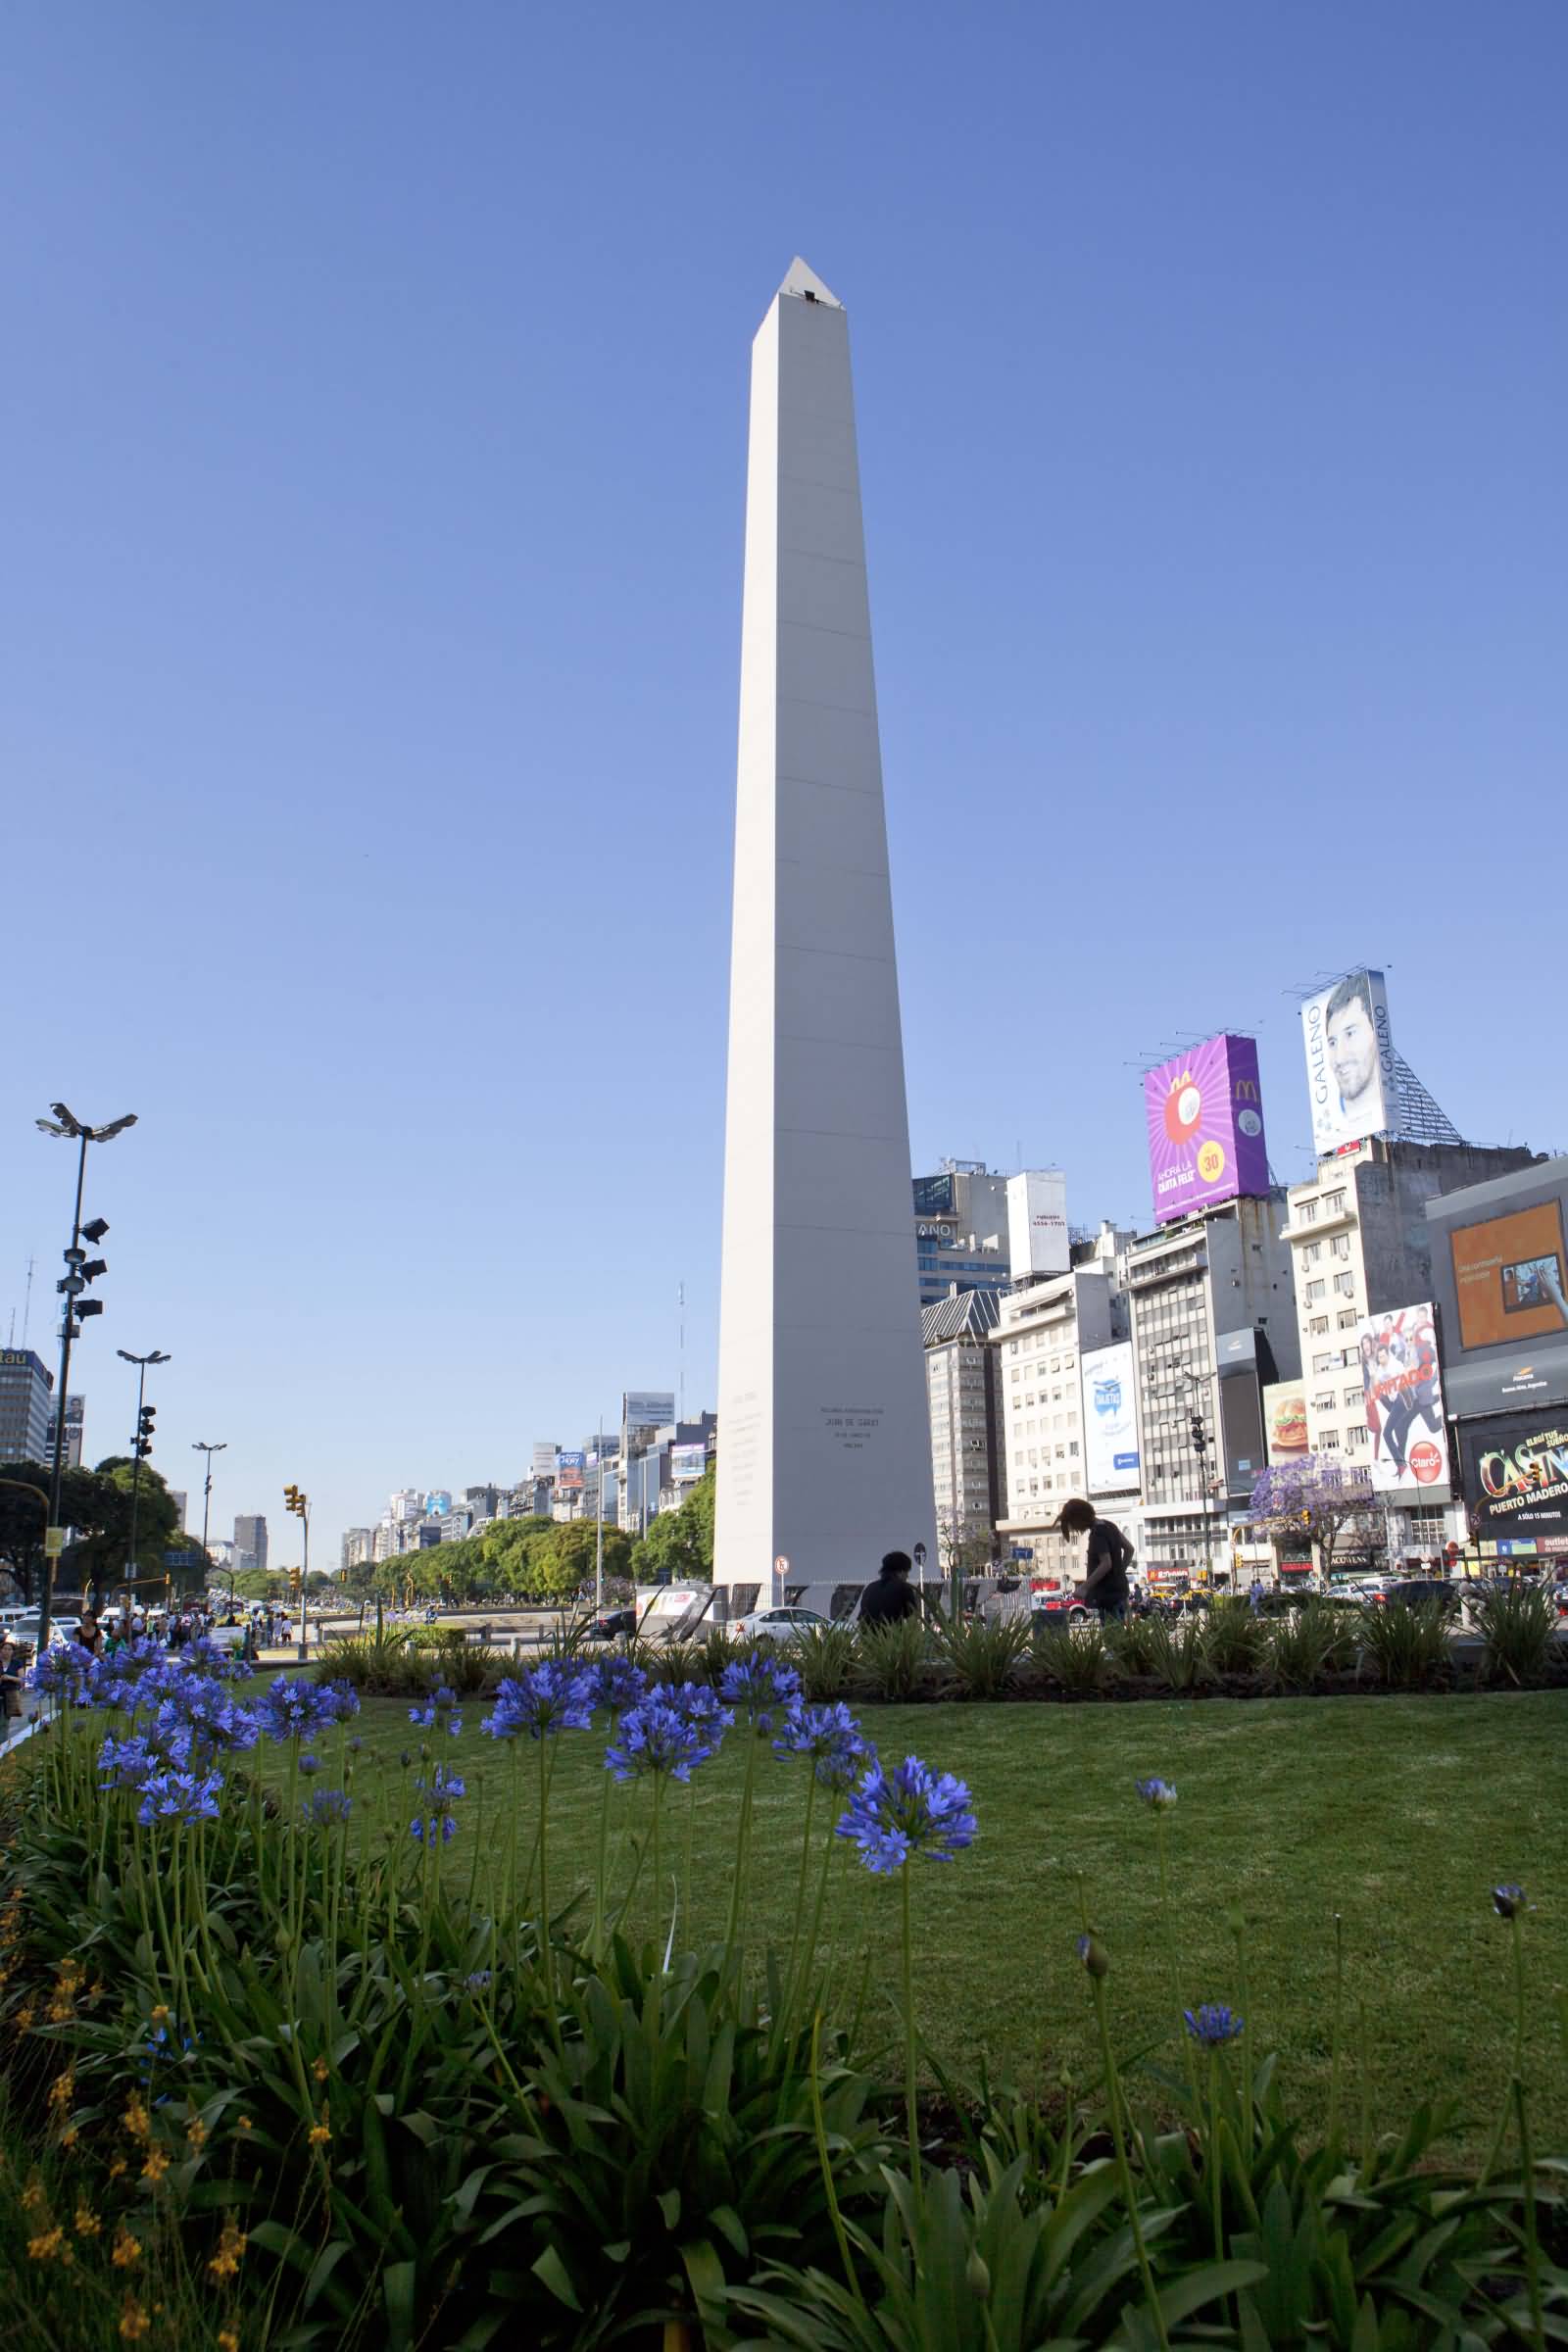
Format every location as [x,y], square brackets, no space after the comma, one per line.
[1245,1089]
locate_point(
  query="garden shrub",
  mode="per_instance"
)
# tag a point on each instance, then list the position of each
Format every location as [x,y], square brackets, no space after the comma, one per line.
[1077,1658]
[983,1656]
[825,1657]
[1518,1625]
[1406,1650]
[894,1660]
[1235,1638]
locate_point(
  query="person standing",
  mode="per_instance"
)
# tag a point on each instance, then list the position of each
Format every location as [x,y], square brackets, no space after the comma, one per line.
[892,1597]
[1106,1557]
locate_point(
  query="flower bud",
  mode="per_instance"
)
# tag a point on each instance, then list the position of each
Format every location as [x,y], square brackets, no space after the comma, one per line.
[978,2275]
[1092,1952]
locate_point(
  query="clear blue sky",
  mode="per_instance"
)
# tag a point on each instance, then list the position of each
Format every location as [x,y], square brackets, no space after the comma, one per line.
[374,435]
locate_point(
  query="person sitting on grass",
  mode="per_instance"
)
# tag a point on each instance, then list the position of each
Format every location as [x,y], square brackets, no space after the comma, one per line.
[1108,1554]
[890,1597]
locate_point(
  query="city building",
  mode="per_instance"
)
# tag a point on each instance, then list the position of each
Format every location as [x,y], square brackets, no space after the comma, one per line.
[1043,1326]
[27,1424]
[408,1503]
[978,1229]
[968,1465]
[826,1452]
[659,1471]
[359,1547]
[1361,1247]
[250,1543]
[1212,1324]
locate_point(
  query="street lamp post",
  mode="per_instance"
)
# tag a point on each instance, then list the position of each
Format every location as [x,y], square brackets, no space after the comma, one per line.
[200,1446]
[79,1271]
[300,1505]
[143,1443]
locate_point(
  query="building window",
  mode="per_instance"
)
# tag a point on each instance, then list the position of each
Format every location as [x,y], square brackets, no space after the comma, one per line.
[1318,1326]
[1333,1202]
[1342,1244]
[1344,1283]
[1314,1292]
[1356,1439]
[1328,1441]
[1324,1403]
[1349,1319]
[1307,1211]
[1311,1253]
[1354,1397]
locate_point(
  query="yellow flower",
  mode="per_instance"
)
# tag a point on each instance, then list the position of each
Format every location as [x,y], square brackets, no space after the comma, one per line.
[156,2165]
[229,2339]
[134,2320]
[68,2137]
[321,2133]
[87,2223]
[244,2122]
[42,2249]
[196,2132]
[33,2197]
[226,2262]
[23,2018]
[320,2070]
[62,2089]
[116,2164]
[137,2120]
[126,2250]
[160,2014]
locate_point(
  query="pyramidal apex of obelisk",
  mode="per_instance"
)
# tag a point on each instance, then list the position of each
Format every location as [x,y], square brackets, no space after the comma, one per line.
[824,1457]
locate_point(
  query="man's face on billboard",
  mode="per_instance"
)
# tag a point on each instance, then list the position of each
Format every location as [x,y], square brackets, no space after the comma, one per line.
[1353,1049]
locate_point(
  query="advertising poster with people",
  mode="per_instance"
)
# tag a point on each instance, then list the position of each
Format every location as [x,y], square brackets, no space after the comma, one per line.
[1406,1431]
[1350,1061]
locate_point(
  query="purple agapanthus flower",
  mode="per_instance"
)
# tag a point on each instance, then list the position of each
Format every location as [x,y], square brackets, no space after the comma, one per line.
[555,1697]
[441,1793]
[441,1708]
[1212,2023]
[617,1684]
[830,1735]
[894,1816]
[658,1740]
[1509,1902]
[181,1796]
[292,1709]
[1157,1792]
[756,1688]
[329,1806]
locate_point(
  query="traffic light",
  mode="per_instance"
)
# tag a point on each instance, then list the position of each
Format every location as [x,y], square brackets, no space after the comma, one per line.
[1199,1439]
[144,1432]
[80,1270]
[295,1501]
[296,1577]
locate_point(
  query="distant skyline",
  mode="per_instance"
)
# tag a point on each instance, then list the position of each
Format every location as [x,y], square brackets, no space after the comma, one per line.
[377,425]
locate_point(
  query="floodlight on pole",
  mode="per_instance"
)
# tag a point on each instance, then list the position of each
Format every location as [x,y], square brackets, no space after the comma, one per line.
[141,1445]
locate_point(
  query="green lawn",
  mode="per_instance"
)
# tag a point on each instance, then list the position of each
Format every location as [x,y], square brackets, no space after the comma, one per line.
[1396,1813]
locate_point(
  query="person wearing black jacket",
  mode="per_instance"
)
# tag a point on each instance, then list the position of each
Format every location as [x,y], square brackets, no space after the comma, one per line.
[1108,1554]
[890,1597]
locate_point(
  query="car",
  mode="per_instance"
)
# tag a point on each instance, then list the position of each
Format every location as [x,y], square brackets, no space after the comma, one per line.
[613,1624]
[776,1625]
[1059,1607]
[1412,1592]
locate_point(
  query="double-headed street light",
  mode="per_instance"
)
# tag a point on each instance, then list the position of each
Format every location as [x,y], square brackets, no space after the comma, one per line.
[80,1270]
[200,1446]
[142,1443]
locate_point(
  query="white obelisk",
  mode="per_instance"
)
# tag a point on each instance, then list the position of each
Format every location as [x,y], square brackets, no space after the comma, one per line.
[824,1451]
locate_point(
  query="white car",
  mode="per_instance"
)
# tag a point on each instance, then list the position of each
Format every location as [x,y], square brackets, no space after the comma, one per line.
[776,1625]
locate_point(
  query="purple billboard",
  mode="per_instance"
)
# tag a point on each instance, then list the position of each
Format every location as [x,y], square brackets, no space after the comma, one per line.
[1205,1127]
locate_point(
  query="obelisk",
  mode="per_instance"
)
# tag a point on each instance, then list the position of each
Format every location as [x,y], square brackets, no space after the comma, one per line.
[824,1453]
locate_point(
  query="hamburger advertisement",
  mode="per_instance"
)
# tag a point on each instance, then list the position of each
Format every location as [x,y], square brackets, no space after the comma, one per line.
[1285,1421]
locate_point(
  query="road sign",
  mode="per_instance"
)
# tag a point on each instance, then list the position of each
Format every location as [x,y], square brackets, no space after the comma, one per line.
[781,1566]
[54,1542]
[180,1559]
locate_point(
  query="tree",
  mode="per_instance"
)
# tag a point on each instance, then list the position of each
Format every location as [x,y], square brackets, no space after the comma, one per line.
[678,1547]
[258,1584]
[1320,1502]
[565,1561]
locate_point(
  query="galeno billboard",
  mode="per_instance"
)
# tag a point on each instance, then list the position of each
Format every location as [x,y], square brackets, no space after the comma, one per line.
[1205,1117]
[1405,1425]
[1350,1061]
[1110,1419]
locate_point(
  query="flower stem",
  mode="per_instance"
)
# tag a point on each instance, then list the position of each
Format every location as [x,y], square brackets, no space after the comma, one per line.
[1123,2168]
[908,2047]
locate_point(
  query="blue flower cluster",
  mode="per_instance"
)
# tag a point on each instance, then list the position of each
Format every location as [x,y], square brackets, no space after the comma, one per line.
[329,1806]
[618,1685]
[442,1710]
[441,1792]
[892,1817]
[555,1697]
[298,1710]
[830,1737]
[1157,1792]
[1212,2023]
[757,1687]
[667,1735]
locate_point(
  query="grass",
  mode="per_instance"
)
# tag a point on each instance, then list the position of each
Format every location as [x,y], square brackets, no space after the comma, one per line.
[1399,1814]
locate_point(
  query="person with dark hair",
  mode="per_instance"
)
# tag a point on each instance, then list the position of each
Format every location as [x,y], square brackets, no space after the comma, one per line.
[1107,1557]
[1352,1040]
[891,1596]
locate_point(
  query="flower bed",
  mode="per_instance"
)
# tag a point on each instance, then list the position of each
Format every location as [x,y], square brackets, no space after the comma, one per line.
[278,2070]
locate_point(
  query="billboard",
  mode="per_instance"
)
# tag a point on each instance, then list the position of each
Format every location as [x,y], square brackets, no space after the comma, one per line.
[1285,1422]
[1204,1116]
[1110,1419]
[1350,1061]
[569,1465]
[687,1463]
[1516,1477]
[647,1408]
[1403,1395]
[1500,1265]
[1037,1222]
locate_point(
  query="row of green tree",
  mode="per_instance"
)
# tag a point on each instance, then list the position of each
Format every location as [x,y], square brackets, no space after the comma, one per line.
[526,1559]
[96,1505]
